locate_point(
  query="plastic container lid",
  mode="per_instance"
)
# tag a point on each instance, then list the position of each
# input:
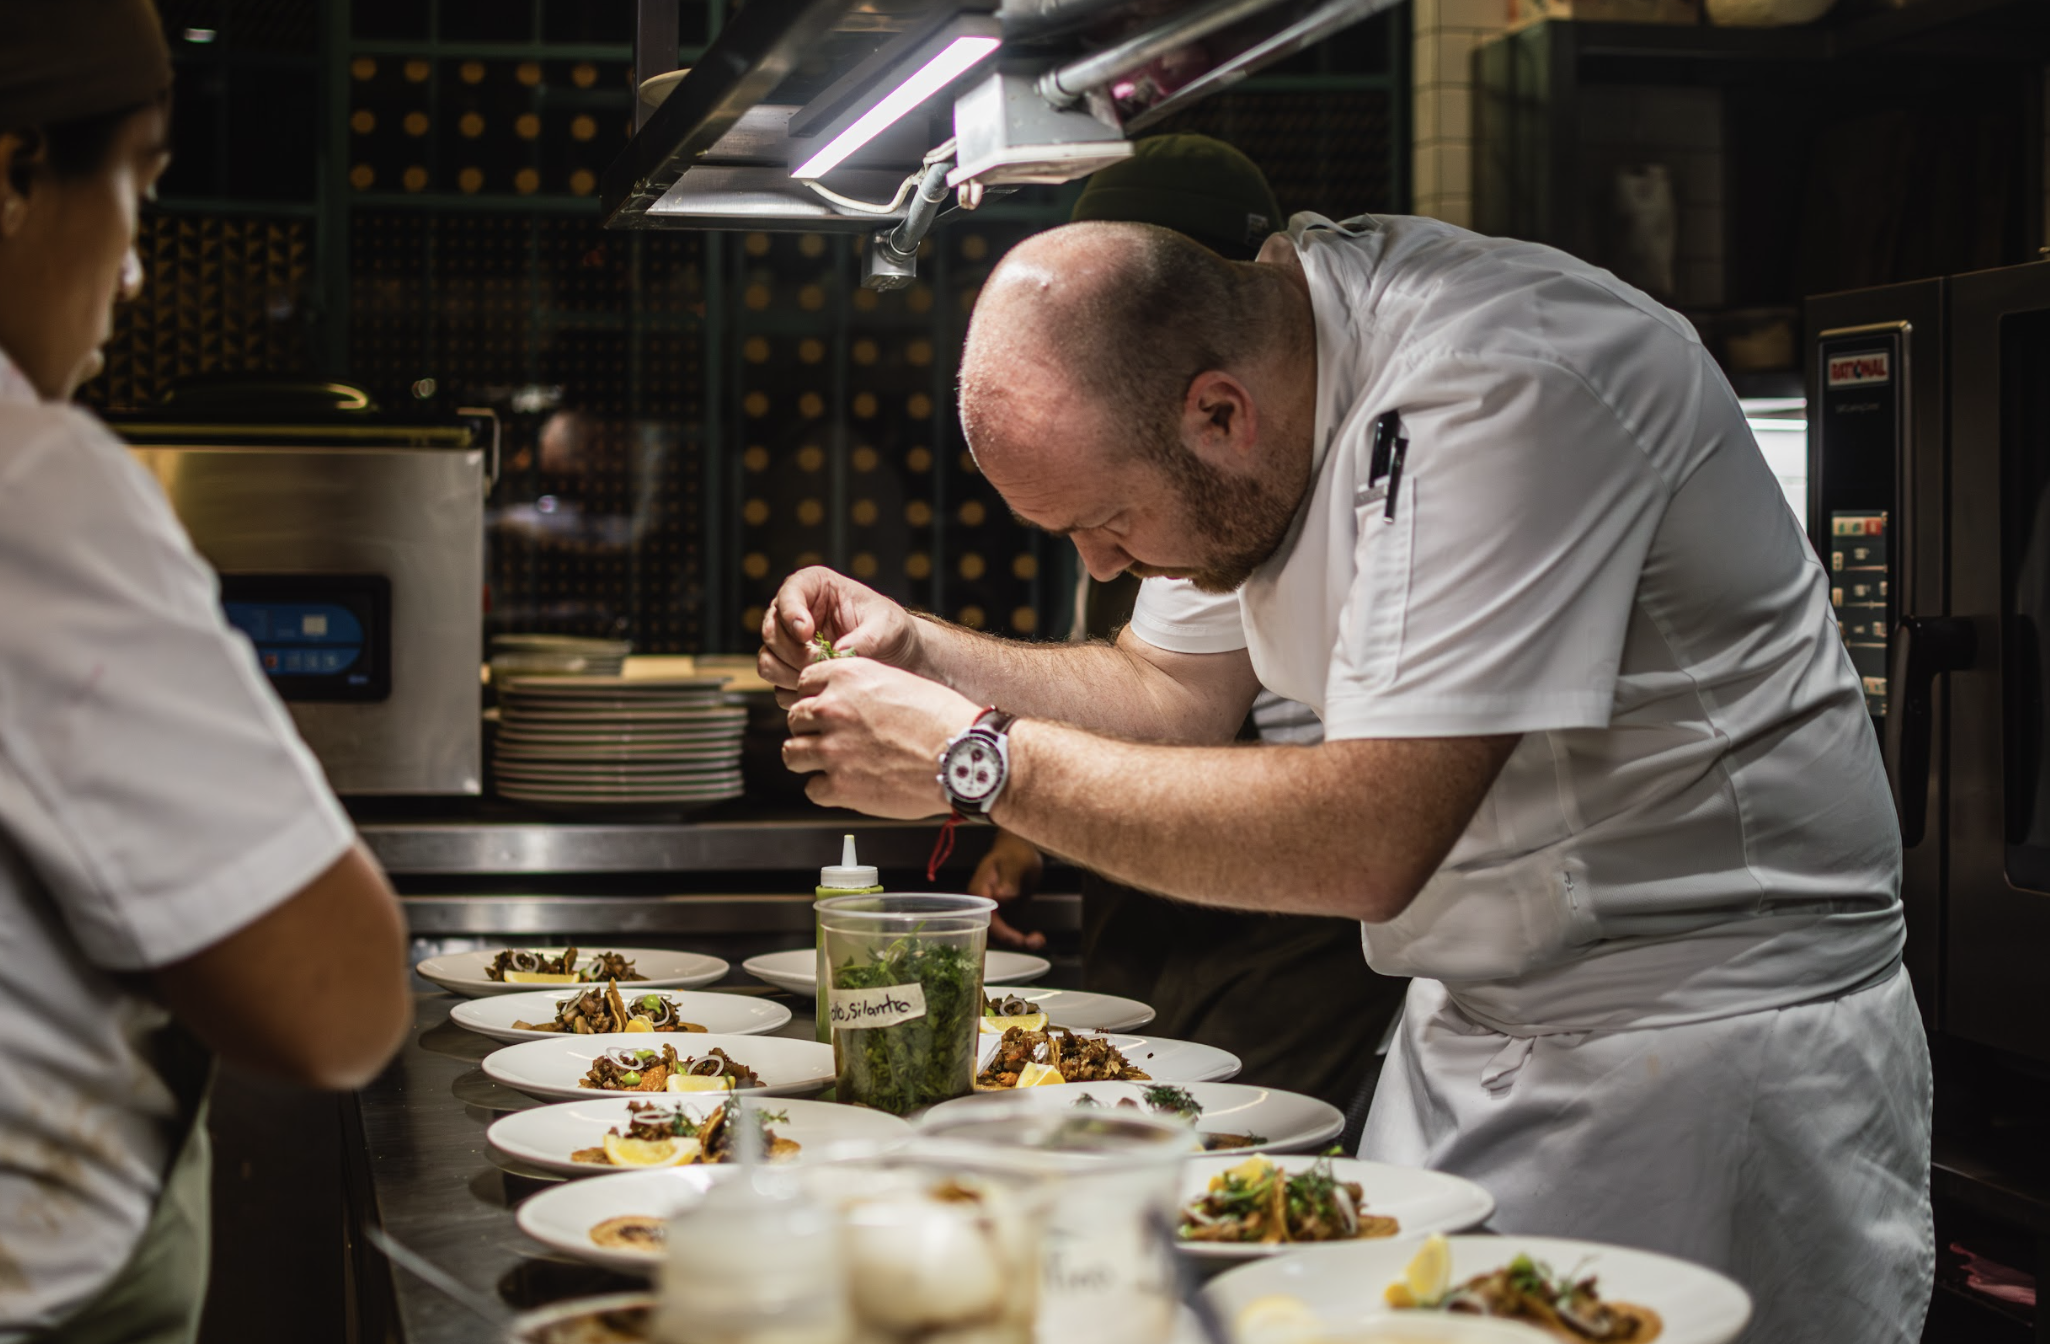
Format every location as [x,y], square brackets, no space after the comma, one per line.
[847,874]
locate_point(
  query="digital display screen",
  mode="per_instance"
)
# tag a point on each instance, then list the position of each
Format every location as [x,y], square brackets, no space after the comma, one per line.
[317,636]
[1857,591]
[301,639]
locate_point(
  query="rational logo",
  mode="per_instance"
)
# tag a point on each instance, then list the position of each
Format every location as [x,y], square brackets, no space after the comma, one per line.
[1873,366]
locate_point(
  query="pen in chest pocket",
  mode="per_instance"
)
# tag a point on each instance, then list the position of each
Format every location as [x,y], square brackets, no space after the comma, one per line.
[1391,446]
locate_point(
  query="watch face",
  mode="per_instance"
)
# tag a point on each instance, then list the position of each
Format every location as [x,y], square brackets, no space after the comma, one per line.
[973,769]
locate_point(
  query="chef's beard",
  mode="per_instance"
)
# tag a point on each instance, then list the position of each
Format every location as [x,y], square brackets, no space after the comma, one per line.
[1242,520]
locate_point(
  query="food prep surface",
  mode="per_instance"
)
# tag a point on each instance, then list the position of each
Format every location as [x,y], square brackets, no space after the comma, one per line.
[421,1169]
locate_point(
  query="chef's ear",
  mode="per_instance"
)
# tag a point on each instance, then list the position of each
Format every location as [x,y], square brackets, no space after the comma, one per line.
[1219,421]
[21,153]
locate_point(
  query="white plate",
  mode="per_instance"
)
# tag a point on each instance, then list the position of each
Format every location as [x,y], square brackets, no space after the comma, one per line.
[547,1135]
[614,686]
[1283,1121]
[531,1327]
[625,752]
[627,795]
[723,774]
[797,969]
[629,769]
[665,775]
[611,721]
[1343,1284]
[550,1068]
[1077,1011]
[562,1218]
[463,972]
[618,798]
[711,720]
[712,729]
[720,1014]
[1160,1059]
[1420,1201]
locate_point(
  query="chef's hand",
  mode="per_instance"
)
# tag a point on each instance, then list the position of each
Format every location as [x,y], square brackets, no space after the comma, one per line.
[1009,872]
[821,601]
[873,735]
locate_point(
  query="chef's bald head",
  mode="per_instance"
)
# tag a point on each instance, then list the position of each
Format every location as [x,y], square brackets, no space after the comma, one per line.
[1124,314]
[68,60]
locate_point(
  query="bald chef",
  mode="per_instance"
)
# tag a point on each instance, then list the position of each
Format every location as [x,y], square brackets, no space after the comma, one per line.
[1597,770]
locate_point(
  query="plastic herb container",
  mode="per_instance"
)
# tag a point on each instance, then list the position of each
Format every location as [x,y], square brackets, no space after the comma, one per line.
[904,995]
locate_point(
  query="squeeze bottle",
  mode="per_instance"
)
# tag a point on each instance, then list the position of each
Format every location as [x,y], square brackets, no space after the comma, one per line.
[846,878]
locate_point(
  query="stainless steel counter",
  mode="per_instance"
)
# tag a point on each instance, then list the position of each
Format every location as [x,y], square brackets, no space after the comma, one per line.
[420,1168]
[488,846]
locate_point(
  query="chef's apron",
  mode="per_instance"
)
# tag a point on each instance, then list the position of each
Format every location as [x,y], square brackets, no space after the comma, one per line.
[157,1295]
[1290,995]
[1788,1148]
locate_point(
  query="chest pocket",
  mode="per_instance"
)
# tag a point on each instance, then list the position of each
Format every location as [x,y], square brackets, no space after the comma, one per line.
[1370,629]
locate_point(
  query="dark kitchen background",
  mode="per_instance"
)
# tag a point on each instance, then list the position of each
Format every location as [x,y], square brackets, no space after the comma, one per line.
[401,194]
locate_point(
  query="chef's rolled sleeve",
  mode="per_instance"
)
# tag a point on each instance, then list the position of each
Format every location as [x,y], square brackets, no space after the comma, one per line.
[1175,615]
[1498,597]
[147,771]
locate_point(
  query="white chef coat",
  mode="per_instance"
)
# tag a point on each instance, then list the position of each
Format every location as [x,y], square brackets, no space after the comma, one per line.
[1694,833]
[154,798]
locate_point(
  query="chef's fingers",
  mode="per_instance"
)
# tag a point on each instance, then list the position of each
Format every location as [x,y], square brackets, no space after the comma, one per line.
[803,754]
[791,621]
[1001,931]
[999,878]
[807,715]
[990,880]
[771,666]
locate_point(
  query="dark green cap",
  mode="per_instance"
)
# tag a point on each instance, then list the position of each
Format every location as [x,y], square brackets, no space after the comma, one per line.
[1191,184]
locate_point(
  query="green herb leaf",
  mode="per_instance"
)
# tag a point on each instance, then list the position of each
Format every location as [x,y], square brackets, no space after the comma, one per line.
[1172,1100]
[927,1059]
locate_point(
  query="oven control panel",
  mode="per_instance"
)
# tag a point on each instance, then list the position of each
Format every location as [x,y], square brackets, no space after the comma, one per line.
[318,637]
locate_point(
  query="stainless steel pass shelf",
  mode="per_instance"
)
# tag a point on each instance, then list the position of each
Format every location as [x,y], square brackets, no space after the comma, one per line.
[511,848]
[556,917]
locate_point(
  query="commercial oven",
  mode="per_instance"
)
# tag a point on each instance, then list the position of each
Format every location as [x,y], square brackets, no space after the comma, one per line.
[1929,499]
[349,545]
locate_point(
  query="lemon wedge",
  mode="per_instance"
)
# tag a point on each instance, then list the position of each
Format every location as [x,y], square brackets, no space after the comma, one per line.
[697,1082]
[997,1026]
[1252,1169]
[649,1152]
[541,977]
[1278,1319]
[638,1024]
[1429,1275]
[1039,1075]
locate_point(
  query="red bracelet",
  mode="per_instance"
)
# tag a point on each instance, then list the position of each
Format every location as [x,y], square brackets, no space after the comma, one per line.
[943,847]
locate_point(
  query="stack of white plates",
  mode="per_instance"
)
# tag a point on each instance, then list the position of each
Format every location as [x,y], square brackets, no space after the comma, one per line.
[668,742]
[555,655]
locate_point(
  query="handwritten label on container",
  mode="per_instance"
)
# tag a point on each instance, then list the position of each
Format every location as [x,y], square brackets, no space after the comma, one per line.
[883,1006]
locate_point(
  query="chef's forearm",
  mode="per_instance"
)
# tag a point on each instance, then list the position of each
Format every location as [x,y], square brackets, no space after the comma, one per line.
[1351,829]
[1102,687]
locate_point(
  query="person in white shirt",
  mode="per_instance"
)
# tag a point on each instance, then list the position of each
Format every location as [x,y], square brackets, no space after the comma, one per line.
[1596,768]
[173,867]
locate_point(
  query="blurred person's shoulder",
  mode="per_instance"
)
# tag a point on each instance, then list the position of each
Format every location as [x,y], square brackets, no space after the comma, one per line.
[59,461]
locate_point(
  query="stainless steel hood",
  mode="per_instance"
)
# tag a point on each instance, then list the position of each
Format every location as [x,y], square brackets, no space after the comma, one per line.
[864,115]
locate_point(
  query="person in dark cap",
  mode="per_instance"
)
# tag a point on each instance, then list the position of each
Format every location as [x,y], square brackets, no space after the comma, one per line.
[1289,994]
[173,867]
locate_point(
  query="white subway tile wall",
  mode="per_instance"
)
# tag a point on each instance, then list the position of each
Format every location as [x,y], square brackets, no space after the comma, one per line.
[1445,33]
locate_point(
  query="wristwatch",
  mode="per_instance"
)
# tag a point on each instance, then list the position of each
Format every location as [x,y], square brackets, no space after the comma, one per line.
[976,761]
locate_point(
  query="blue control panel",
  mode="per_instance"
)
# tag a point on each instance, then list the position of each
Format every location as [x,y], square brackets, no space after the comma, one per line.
[317,636]
[299,639]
